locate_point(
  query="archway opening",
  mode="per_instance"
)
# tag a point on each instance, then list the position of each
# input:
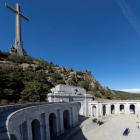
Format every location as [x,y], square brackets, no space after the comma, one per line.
[122,111]
[13,137]
[66,119]
[79,108]
[52,126]
[112,109]
[104,110]
[94,111]
[132,109]
[36,130]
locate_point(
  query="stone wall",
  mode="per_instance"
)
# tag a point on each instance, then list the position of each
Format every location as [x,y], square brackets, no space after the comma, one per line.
[69,89]
[20,124]
[11,107]
[113,107]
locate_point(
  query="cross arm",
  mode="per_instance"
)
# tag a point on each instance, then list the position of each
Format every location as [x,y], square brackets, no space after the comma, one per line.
[10,8]
[24,17]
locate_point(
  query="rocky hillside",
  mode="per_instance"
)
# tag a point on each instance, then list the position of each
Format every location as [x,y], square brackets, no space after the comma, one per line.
[37,76]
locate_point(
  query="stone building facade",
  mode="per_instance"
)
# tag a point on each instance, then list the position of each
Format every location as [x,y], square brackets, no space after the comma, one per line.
[88,106]
[65,93]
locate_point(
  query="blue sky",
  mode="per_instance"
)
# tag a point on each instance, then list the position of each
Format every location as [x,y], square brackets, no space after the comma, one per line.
[102,36]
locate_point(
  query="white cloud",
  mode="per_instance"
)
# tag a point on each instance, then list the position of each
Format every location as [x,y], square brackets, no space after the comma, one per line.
[130,90]
[129,15]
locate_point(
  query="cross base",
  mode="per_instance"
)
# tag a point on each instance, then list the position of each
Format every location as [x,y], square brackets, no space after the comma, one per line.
[18,50]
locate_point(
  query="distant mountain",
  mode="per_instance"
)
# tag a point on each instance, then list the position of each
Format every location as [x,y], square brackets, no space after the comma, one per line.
[127,95]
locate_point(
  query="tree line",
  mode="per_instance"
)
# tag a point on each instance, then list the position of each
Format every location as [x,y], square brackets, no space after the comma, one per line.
[17,85]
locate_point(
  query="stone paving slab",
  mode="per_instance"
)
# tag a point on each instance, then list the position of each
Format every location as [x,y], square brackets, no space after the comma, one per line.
[112,129]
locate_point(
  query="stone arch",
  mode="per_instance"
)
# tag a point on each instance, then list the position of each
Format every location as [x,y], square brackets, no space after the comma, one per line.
[94,110]
[36,133]
[15,133]
[13,137]
[53,125]
[79,108]
[66,119]
[132,109]
[112,109]
[104,110]
[122,110]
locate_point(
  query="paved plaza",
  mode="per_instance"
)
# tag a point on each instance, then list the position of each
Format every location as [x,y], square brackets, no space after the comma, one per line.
[112,129]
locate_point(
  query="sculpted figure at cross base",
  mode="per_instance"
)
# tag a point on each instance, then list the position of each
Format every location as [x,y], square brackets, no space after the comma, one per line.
[18,48]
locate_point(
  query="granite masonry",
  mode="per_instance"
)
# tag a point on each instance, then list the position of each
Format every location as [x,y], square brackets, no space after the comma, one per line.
[18,48]
[50,120]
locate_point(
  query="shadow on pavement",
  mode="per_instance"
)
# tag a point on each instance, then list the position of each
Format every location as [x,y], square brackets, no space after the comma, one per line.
[74,133]
[79,134]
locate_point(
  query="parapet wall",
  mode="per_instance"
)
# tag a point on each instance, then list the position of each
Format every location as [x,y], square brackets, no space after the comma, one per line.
[11,107]
[64,116]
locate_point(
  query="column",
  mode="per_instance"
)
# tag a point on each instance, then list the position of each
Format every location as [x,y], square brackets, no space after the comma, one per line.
[117,109]
[61,122]
[29,128]
[100,109]
[138,108]
[89,112]
[41,119]
[127,108]
[108,109]
[47,126]
[71,117]
[97,110]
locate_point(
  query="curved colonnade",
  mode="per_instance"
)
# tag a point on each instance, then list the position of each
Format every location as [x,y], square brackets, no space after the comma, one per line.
[105,108]
[43,122]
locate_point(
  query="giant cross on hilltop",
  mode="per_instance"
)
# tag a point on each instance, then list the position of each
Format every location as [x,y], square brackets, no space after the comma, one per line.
[18,48]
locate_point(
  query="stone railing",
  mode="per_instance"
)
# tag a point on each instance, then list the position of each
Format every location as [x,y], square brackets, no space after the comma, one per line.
[117,101]
[11,107]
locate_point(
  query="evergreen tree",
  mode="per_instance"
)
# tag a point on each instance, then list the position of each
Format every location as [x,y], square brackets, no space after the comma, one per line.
[16,81]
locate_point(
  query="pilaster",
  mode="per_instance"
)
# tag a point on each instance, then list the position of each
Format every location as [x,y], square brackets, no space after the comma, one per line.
[29,128]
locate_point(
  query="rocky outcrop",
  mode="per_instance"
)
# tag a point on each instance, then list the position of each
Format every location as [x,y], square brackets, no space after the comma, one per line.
[69,76]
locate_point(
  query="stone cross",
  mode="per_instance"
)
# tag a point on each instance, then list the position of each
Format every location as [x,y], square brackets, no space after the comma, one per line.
[18,48]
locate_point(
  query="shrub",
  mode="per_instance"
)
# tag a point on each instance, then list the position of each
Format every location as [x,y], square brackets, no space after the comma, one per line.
[84,84]
[102,91]
[4,102]
[96,87]
[96,94]
[56,77]
[50,70]
[28,59]
[51,64]
[61,82]
[43,63]
[79,73]
[16,58]
[21,101]
[71,70]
